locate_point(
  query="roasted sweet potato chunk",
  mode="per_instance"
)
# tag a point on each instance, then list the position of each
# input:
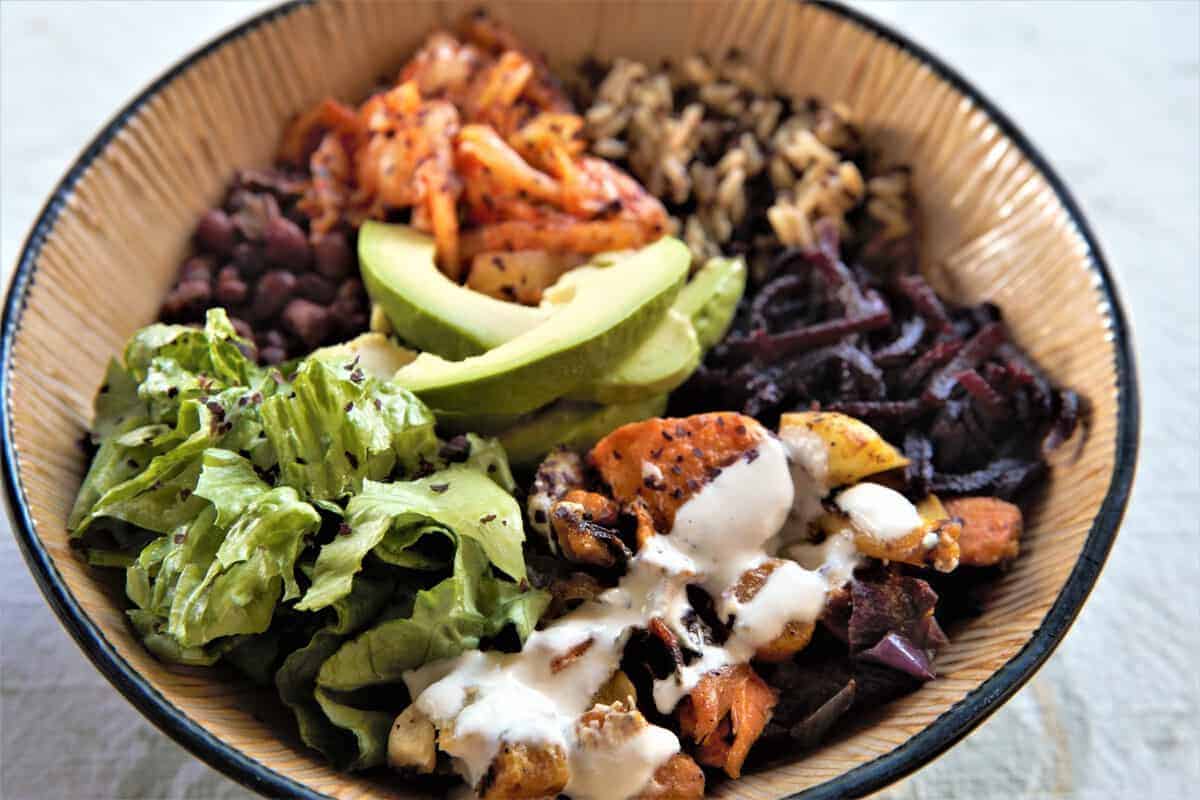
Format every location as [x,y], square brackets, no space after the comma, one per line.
[525,772]
[991,530]
[663,462]
[680,778]
[796,634]
[725,714]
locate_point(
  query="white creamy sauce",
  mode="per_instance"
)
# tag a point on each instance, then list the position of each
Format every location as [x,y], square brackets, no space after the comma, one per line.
[835,559]
[809,460]
[480,701]
[651,472]
[879,511]
[618,761]
[791,593]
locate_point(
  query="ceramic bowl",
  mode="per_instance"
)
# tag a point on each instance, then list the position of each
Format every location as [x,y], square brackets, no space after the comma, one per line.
[998,222]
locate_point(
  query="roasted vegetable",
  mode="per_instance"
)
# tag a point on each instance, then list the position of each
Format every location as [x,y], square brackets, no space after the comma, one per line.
[853,450]
[991,530]
[411,743]
[583,524]
[679,779]
[725,714]
[663,462]
[525,772]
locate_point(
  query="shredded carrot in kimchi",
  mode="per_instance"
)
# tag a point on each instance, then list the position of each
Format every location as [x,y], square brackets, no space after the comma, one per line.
[478,142]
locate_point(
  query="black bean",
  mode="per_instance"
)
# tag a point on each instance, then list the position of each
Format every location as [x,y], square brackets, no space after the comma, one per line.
[196,268]
[352,289]
[342,311]
[286,244]
[333,256]
[187,296]
[271,338]
[272,355]
[249,259]
[307,320]
[312,286]
[272,294]
[214,232]
[231,289]
[252,211]
[243,328]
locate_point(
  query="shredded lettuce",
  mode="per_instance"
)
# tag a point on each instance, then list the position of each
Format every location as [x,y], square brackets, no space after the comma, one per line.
[255,562]
[304,528]
[446,620]
[458,499]
[338,427]
[229,482]
[296,679]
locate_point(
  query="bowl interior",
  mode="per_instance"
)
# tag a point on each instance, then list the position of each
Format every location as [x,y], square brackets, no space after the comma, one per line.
[994,226]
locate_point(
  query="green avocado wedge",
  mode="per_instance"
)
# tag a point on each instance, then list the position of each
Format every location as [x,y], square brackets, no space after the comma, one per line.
[426,309]
[710,299]
[576,426]
[664,360]
[612,311]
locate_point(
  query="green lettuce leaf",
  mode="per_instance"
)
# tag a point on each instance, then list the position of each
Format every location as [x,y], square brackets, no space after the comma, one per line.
[146,476]
[446,620]
[211,353]
[255,656]
[256,560]
[164,647]
[170,376]
[116,402]
[229,482]
[114,464]
[337,427]
[487,455]
[458,499]
[370,729]
[398,547]
[338,735]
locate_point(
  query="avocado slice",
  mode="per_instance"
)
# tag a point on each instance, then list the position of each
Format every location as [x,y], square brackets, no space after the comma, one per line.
[664,360]
[612,311]
[427,309]
[574,425]
[376,354]
[710,299]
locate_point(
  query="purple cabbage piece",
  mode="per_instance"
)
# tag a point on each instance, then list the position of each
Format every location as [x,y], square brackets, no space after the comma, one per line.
[896,604]
[809,731]
[897,652]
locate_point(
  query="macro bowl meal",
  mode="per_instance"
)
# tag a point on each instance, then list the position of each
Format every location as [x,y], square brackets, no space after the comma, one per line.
[598,401]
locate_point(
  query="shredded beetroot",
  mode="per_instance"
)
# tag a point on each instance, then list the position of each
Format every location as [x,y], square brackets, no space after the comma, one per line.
[874,340]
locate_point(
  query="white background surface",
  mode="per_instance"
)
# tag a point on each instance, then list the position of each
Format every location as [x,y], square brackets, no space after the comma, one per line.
[1110,91]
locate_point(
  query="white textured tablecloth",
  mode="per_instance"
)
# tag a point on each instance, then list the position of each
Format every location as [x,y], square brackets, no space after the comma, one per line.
[1111,93]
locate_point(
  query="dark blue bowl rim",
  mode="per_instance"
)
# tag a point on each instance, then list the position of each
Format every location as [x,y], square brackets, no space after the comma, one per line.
[923,747]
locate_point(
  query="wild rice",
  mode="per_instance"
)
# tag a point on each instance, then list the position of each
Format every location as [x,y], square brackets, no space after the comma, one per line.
[742,168]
